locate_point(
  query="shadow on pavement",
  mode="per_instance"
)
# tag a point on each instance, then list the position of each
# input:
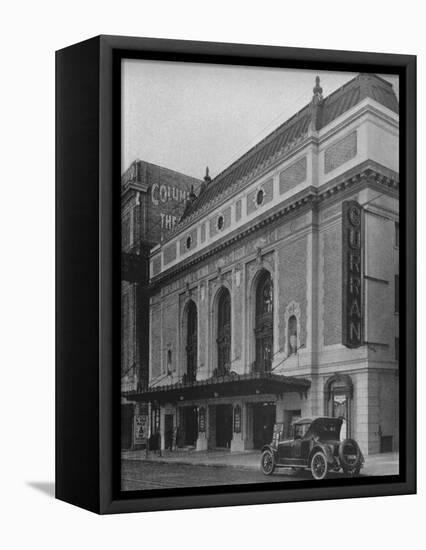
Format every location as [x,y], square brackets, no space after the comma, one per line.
[46,487]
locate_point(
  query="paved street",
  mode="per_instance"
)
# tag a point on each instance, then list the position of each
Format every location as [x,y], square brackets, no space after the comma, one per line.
[138,474]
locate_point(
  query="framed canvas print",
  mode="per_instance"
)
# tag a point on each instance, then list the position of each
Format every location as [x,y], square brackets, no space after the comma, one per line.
[235,274]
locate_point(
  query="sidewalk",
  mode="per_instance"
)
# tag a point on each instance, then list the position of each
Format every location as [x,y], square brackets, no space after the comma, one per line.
[378,464]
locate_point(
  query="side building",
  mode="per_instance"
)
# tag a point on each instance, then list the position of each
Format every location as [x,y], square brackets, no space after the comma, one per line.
[276,296]
[153,199]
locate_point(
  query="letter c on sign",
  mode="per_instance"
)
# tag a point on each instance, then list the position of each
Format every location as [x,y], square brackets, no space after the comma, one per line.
[355,216]
[153,197]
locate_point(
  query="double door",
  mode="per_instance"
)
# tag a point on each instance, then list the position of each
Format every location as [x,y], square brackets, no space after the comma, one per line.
[263,424]
[223,426]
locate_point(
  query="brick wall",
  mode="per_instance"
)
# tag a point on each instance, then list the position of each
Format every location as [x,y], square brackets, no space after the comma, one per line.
[293,175]
[169,253]
[170,330]
[166,199]
[238,320]
[332,276]
[155,342]
[203,232]
[238,208]
[340,152]
[292,285]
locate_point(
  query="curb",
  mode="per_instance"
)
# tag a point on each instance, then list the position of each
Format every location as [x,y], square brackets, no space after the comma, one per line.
[248,467]
[186,463]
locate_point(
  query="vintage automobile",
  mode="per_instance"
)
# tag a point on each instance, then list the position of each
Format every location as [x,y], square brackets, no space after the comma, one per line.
[315,445]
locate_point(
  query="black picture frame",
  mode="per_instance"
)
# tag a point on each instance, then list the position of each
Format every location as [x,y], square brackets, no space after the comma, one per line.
[88,272]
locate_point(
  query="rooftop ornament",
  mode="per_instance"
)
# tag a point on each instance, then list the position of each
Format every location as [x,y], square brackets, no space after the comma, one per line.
[316,105]
[207,177]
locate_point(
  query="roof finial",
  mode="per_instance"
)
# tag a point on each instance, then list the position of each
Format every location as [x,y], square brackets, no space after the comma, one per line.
[207,177]
[316,106]
[317,90]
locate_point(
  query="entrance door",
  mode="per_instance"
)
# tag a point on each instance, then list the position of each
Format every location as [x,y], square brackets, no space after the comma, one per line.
[189,426]
[168,431]
[263,424]
[223,426]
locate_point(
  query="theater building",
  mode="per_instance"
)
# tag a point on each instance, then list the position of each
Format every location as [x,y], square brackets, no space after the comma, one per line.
[153,199]
[276,295]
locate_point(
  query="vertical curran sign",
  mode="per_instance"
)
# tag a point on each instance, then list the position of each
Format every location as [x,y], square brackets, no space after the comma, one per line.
[352,281]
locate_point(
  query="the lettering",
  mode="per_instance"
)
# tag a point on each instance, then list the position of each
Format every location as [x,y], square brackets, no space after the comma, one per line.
[167,221]
[164,193]
[352,316]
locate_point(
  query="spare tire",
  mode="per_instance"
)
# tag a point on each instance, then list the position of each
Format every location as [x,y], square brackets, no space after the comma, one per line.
[349,455]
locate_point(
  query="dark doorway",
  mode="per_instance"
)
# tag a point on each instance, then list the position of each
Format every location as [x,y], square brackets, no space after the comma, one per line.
[223,426]
[386,444]
[263,423]
[168,431]
[189,426]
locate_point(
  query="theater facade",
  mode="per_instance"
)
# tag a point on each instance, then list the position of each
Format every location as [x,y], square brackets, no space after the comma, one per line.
[276,295]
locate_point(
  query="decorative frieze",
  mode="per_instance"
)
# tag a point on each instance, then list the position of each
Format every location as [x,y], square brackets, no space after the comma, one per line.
[220,222]
[293,175]
[169,254]
[156,265]
[238,209]
[340,152]
[188,241]
[260,196]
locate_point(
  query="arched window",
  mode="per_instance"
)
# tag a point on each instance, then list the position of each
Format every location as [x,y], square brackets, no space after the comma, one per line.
[292,335]
[264,323]
[191,341]
[224,332]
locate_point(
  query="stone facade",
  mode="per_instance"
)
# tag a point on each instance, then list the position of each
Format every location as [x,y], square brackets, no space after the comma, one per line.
[283,224]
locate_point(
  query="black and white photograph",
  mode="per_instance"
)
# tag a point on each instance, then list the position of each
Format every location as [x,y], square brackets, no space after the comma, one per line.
[259,275]
[212,275]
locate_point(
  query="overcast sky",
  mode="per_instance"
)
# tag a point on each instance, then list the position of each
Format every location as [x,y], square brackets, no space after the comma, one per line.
[185,116]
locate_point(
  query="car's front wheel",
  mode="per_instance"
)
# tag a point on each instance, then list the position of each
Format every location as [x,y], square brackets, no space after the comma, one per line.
[267,462]
[319,465]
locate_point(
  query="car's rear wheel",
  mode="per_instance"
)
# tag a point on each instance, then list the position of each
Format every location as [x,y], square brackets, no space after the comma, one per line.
[350,456]
[267,462]
[319,465]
